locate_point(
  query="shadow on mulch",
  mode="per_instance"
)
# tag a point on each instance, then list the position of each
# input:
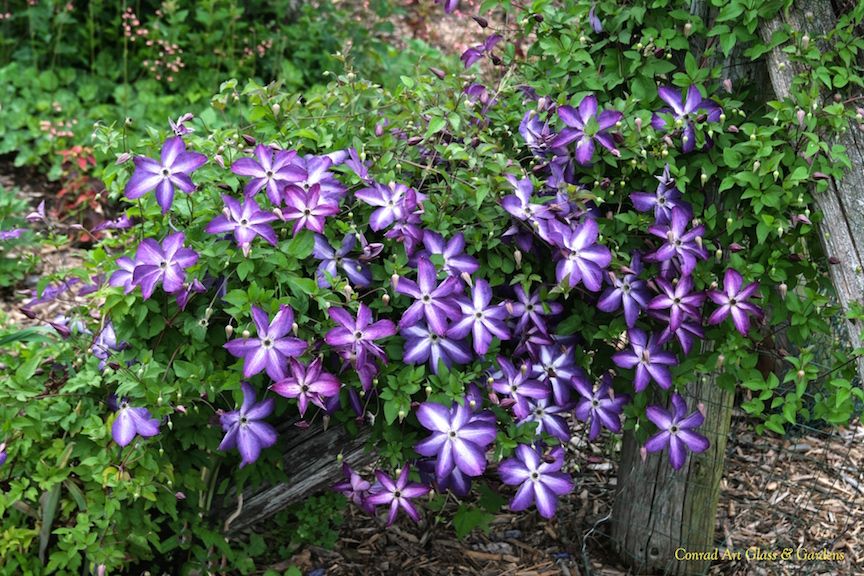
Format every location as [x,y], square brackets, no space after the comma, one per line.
[803,491]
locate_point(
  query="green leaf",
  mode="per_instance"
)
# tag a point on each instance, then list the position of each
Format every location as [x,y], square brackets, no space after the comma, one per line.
[301,246]
[466,519]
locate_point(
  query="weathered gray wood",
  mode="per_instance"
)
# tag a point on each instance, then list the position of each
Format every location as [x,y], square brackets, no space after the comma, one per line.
[311,462]
[842,205]
[658,510]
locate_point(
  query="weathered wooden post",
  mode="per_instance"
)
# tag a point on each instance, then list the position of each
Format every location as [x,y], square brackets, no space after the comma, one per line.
[659,510]
[842,204]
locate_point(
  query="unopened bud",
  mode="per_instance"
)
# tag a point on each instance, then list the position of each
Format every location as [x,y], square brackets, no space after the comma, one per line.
[517,257]
[275,108]
[428,391]
[385,298]
[718,255]
[721,359]
[805,41]
[246,334]
[638,123]
[783,289]
[688,29]
[395,280]
[466,277]
[722,118]
[295,328]
[776,174]
[402,415]
[482,22]
[703,178]
[800,374]
[756,165]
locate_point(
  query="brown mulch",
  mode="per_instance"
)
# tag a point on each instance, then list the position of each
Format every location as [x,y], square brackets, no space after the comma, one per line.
[803,491]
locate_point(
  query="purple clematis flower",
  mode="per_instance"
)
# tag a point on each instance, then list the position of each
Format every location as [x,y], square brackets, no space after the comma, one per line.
[537,135]
[246,221]
[355,488]
[271,350]
[686,110]
[519,205]
[436,302]
[733,300]
[172,171]
[122,222]
[555,366]
[449,5]
[456,262]
[595,22]
[395,202]
[165,263]
[689,331]
[584,126]
[122,278]
[649,359]
[629,290]
[307,384]
[540,482]
[332,260]
[269,169]
[518,385]
[308,209]
[459,439]
[131,421]
[475,53]
[422,344]
[664,199]
[602,407]
[396,494]
[12,234]
[676,431]
[531,309]
[106,344]
[681,245]
[316,170]
[480,319]
[3,454]
[245,428]
[679,299]
[548,417]
[582,259]
[357,336]
[182,297]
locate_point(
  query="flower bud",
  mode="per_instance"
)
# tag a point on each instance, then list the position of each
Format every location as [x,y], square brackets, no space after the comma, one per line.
[438,72]
[776,174]
[805,41]
[385,298]
[699,241]
[295,328]
[703,178]
[229,331]
[517,257]
[395,280]
[466,277]
[721,359]
[638,123]
[756,165]
[402,415]
[783,289]
[246,334]
[722,118]
[428,391]
[718,255]
[482,22]
[688,29]
[800,374]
